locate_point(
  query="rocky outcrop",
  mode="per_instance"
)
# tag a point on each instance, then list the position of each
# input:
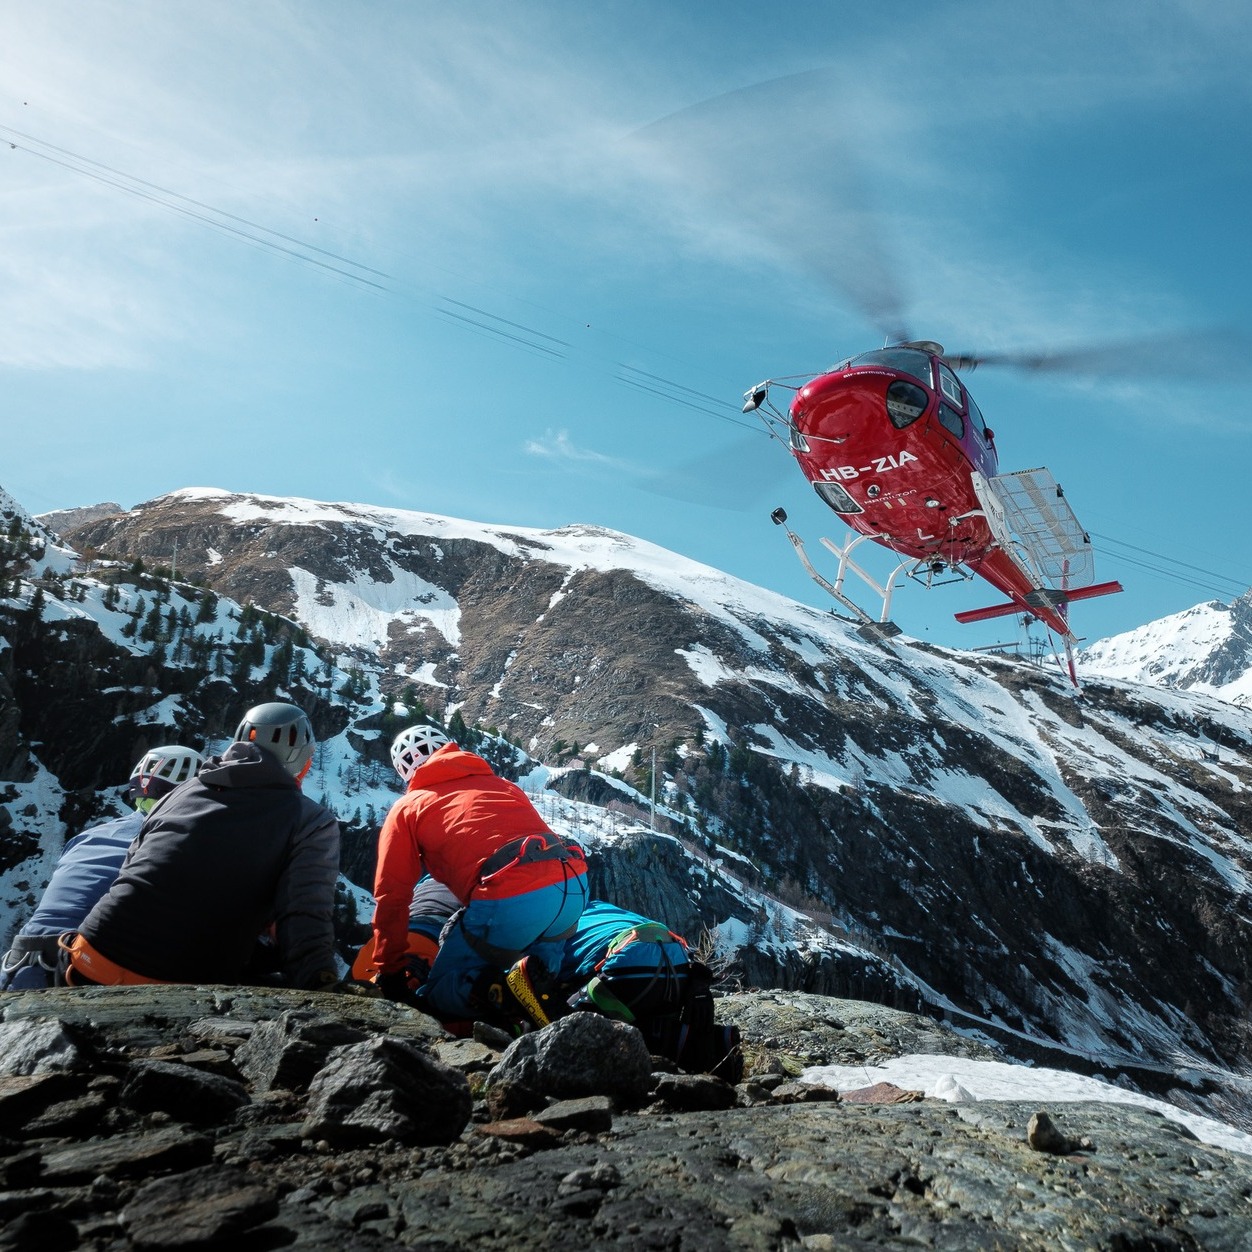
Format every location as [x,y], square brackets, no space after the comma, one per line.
[61,520]
[157,1118]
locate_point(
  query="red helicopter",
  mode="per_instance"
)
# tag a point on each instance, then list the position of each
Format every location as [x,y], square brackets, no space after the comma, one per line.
[894,443]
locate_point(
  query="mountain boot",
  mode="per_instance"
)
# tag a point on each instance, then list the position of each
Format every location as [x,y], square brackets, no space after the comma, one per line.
[529,985]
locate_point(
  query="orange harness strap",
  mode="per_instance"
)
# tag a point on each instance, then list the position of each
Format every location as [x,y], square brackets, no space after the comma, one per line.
[95,967]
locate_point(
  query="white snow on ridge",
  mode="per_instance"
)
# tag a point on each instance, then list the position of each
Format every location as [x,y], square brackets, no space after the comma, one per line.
[1162,651]
[961,1080]
[731,600]
[1174,650]
[360,612]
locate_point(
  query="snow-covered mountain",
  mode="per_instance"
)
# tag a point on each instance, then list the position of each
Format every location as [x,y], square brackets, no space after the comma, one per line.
[1070,871]
[1207,649]
[100,659]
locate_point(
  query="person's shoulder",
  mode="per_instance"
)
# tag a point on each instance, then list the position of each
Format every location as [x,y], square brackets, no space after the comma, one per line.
[315,811]
[116,829]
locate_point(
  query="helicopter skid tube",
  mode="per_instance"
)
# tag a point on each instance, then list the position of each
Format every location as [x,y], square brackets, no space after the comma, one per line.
[882,628]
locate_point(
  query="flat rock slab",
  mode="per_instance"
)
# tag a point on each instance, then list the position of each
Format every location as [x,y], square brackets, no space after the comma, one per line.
[198,1208]
[127,1156]
[149,1017]
[849,1176]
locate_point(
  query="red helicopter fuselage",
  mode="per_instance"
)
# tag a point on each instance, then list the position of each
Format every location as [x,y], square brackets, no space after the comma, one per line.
[891,440]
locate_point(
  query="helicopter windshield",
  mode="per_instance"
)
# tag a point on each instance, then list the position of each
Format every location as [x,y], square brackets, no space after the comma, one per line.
[906,360]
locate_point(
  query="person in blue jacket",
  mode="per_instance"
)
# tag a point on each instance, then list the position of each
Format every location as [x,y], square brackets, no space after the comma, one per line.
[633,969]
[87,868]
[617,962]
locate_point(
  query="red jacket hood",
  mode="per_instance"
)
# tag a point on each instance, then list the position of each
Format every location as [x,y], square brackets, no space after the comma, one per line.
[448,763]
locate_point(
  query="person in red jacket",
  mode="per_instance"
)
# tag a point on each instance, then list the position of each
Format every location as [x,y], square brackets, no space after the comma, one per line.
[522,887]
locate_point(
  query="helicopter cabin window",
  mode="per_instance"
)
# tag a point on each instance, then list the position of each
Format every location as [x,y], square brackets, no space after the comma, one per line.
[976,419]
[951,386]
[906,360]
[951,420]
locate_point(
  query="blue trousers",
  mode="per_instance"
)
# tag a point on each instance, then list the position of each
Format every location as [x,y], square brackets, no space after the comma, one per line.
[535,923]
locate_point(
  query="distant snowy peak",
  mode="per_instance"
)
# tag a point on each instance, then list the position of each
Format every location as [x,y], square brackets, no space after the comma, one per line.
[1207,648]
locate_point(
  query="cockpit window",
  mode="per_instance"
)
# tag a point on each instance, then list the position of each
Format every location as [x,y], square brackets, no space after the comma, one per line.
[951,420]
[906,360]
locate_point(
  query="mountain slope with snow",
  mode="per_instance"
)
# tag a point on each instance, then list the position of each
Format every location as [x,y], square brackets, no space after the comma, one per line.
[1071,868]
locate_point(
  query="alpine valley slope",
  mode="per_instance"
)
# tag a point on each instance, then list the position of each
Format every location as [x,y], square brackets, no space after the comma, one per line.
[1072,869]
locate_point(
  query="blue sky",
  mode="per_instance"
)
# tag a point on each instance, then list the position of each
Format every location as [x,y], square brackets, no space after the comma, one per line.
[517,263]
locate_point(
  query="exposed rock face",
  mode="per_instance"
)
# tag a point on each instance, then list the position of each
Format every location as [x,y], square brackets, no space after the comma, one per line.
[68,519]
[105,1152]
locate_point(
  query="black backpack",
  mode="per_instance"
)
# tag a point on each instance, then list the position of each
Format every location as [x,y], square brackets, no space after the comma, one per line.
[692,1037]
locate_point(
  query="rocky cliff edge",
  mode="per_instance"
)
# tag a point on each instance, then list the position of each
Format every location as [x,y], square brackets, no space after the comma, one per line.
[182,1117]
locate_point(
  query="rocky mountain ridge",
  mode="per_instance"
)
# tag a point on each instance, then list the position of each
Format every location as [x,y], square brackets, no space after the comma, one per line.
[1068,871]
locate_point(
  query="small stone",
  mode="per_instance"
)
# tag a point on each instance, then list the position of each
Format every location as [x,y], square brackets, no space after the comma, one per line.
[883,1093]
[387,1089]
[1044,1136]
[690,1093]
[182,1091]
[491,1036]
[37,1047]
[47,1232]
[602,1176]
[804,1093]
[521,1130]
[127,1156]
[592,1114]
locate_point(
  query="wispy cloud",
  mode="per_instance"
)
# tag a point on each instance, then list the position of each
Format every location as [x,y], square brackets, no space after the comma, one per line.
[556,445]
[442,135]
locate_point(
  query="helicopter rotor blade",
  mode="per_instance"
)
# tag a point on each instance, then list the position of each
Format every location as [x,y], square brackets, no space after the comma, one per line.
[1181,354]
[729,148]
[734,477]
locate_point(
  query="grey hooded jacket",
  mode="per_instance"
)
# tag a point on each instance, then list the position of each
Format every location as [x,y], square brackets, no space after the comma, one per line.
[221,858]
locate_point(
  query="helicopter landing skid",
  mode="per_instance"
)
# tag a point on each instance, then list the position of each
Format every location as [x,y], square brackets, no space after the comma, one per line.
[882,628]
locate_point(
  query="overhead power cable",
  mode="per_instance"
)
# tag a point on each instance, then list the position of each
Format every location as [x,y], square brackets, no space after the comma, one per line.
[197,210]
[502,329]
[687,397]
[1185,573]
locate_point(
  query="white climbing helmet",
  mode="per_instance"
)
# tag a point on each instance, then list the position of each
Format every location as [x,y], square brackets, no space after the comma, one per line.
[412,746]
[161,770]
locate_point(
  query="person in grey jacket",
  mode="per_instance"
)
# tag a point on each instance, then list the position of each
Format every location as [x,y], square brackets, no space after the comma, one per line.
[226,856]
